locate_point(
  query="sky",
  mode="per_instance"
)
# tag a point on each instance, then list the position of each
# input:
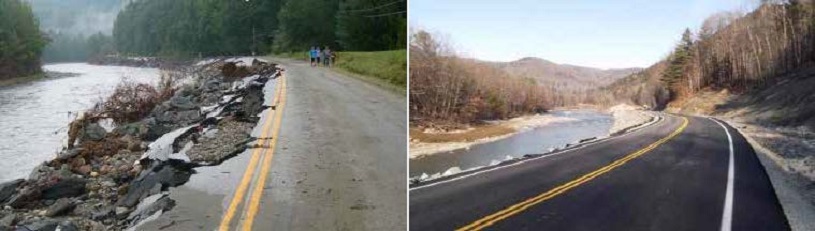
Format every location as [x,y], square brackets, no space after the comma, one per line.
[594,33]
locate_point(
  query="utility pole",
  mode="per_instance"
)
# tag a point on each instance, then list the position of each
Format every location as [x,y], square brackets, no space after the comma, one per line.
[253,39]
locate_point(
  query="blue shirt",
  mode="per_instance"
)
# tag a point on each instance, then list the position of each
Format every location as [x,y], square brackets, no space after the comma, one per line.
[313,53]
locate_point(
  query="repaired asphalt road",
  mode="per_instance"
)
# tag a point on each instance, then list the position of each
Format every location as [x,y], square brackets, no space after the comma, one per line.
[672,175]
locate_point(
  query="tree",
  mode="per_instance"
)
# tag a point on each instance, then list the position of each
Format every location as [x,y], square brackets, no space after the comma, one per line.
[187,28]
[370,25]
[306,23]
[678,61]
[21,42]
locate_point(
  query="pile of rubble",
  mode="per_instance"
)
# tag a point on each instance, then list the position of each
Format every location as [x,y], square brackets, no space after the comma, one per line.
[115,180]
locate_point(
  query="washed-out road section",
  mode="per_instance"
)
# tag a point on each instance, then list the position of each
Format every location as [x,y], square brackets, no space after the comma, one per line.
[339,163]
[673,175]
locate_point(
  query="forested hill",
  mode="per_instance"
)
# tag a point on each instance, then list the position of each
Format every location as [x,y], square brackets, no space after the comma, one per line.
[741,53]
[564,76]
[188,28]
[21,42]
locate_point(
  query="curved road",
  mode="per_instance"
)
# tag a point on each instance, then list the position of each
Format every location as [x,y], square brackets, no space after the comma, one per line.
[682,173]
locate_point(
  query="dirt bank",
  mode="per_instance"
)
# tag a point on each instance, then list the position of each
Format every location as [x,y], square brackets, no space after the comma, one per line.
[778,119]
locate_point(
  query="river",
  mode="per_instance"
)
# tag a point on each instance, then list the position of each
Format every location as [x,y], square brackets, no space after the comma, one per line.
[34,116]
[586,124]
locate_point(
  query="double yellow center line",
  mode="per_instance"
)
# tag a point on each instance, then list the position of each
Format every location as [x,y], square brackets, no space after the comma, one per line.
[524,205]
[251,208]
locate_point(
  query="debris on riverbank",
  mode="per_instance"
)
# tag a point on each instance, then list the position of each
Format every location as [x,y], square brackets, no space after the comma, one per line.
[113,180]
[115,60]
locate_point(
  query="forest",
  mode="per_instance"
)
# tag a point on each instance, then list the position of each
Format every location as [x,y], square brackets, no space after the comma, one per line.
[192,28]
[447,91]
[77,29]
[731,50]
[21,42]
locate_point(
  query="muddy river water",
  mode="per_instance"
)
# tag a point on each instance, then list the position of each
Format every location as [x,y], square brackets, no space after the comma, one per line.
[34,116]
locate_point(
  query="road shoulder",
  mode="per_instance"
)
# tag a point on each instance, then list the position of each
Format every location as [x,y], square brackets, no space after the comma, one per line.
[791,188]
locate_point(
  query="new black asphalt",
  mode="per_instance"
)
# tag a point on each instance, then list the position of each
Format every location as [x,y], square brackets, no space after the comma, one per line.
[679,185]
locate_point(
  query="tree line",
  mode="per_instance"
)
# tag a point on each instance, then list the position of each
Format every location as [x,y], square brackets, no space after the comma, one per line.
[184,28]
[21,41]
[71,47]
[731,50]
[448,91]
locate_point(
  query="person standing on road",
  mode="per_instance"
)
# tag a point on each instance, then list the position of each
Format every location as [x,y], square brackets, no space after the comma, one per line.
[328,57]
[313,55]
[318,54]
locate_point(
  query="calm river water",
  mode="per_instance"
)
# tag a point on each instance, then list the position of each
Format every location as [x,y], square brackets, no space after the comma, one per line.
[34,116]
[587,124]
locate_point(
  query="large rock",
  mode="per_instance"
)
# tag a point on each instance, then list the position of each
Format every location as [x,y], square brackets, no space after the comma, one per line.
[67,226]
[7,189]
[93,132]
[252,103]
[62,205]
[68,154]
[179,117]
[182,102]
[42,225]
[155,130]
[24,197]
[39,172]
[135,129]
[212,85]
[65,188]
[8,220]
[150,206]
[162,175]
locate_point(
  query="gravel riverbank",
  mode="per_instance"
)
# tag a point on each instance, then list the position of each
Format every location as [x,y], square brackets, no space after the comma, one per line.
[419,148]
[627,117]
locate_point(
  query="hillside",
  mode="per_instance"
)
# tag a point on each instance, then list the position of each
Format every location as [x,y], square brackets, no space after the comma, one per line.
[756,71]
[753,57]
[564,76]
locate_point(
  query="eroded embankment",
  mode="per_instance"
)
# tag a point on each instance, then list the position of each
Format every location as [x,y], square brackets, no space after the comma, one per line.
[112,180]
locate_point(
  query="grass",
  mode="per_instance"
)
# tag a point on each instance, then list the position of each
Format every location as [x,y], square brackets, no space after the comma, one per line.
[390,66]
[386,66]
[477,133]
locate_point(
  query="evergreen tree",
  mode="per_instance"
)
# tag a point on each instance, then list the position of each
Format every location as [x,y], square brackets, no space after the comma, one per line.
[21,42]
[370,25]
[678,60]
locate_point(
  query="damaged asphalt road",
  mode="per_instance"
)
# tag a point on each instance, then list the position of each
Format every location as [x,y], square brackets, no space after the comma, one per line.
[339,163]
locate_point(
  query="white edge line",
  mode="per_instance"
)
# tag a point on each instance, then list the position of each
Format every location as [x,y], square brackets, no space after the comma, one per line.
[727,213]
[527,160]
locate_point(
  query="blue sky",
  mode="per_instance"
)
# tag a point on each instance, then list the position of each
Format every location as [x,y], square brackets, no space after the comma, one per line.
[599,33]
